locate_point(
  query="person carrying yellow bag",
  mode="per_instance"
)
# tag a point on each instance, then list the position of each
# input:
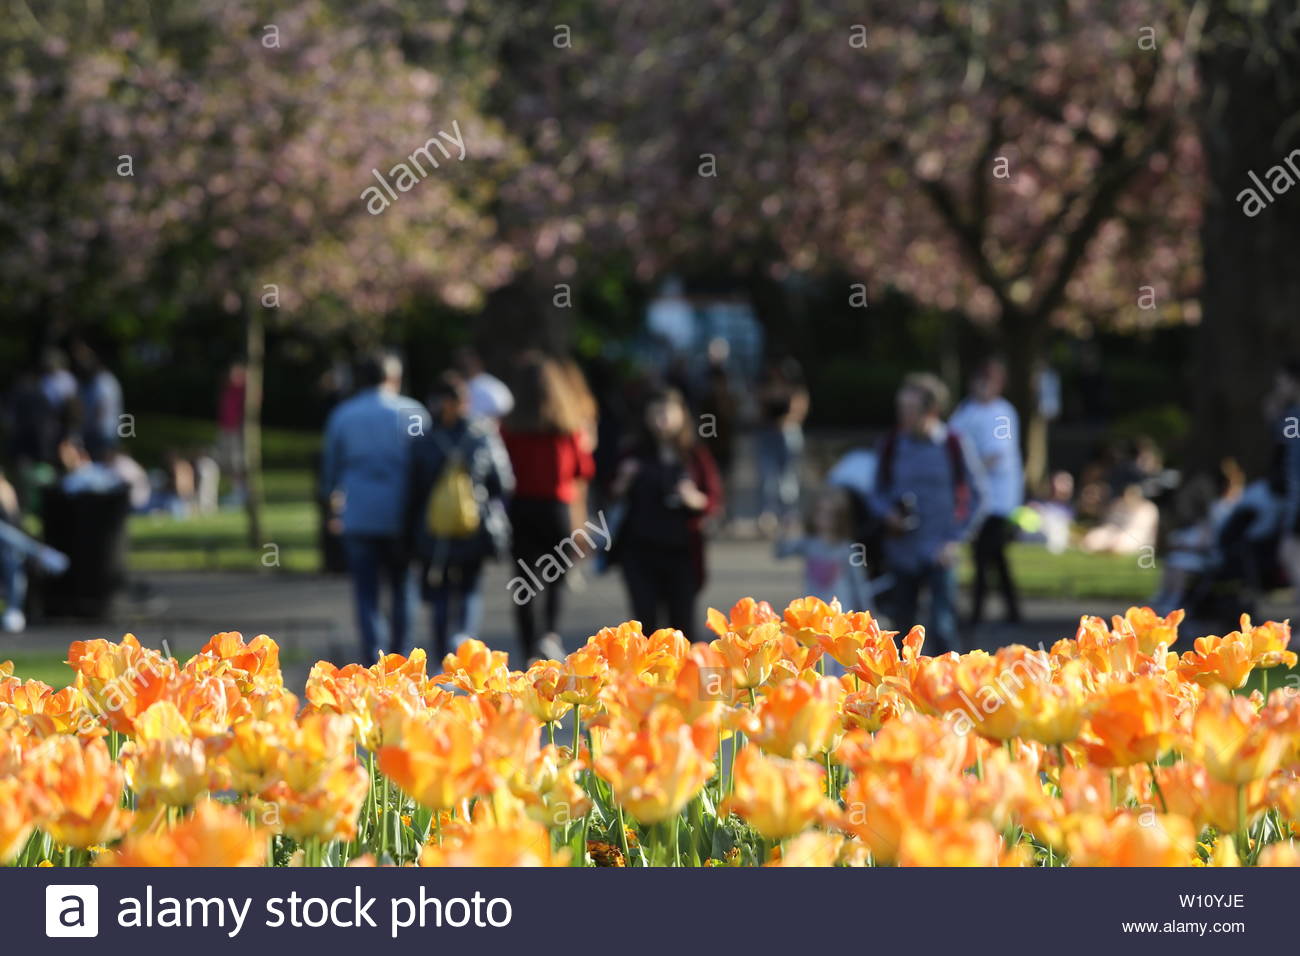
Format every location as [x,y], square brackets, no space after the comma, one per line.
[462,477]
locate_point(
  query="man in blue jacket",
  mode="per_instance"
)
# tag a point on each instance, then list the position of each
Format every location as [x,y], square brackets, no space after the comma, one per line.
[930,496]
[366,471]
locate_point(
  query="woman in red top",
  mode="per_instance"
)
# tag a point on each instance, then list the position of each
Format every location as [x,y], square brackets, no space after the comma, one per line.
[549,453]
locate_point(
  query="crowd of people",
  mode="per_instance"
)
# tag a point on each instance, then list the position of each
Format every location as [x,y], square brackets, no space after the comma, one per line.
[560,472]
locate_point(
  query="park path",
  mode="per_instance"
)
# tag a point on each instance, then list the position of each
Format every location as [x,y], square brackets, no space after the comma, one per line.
[310,615]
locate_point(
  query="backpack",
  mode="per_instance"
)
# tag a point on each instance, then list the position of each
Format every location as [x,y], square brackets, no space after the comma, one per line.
[453,510]
[960,485]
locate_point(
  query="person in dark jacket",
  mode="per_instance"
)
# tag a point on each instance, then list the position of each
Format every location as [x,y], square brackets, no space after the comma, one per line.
[668,486]
[452,567]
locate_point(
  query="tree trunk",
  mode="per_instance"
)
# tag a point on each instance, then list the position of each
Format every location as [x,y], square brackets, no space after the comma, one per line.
[1251,286]
[255,346]
[1024,339]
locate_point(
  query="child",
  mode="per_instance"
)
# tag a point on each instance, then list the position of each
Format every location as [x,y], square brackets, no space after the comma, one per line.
[833,563]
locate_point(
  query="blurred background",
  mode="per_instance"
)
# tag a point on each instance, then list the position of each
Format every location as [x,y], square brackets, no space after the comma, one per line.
[781,209]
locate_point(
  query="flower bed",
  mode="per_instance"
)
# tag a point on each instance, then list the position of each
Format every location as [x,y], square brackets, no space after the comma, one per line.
[1109,749]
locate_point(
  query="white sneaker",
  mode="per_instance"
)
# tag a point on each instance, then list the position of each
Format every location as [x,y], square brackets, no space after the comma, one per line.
[13,621]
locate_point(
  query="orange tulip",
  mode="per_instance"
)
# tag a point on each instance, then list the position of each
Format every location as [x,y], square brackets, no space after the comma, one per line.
[517,842]
[539,689]
[85,787]
[122,679]
[656,768]
[750,658]
[1189,790]
[326,812]
[214,835]
[777,797]
[799,718]
[437,759]
[17,816]
[251,664]
[1280,854]
[1226,661]
[1130,723]
[1236,744]
[746,615]
[476,669]
[1127,840]
[813,848]
[1152,630]
[585,675]
[164,762]
[880,805]
[1268,643]
[973,843]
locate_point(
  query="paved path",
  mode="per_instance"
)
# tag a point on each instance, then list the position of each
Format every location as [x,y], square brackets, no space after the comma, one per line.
[311,615]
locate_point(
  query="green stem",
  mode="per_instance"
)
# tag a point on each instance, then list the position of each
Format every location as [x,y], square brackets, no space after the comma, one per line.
[1243,830]
[383,819]
[1155,785]
[622,834]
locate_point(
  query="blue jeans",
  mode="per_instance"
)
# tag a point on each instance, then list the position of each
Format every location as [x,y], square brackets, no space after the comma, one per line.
[780,451]
[941,581]
[458,583]
[13,577]
[372,559]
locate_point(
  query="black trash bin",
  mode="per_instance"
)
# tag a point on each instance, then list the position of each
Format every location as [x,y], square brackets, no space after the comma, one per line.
[90,528]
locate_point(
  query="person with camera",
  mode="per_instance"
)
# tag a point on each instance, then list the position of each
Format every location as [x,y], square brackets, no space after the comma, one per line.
[930,496]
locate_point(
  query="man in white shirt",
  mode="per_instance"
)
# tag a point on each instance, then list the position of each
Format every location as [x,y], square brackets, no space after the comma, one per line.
[990,423]
[490,399]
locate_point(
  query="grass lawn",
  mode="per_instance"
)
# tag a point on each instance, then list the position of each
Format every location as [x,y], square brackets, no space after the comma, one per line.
[1074,574]
[220,542]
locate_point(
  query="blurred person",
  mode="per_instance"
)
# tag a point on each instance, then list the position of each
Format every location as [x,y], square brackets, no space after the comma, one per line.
[718,411]
[549,454]
[81,472]
[32,427]
[668,486]
[13,572]
[930,496]
[57,383]
[489,397]
[366,471]
[207,482]
[834,568]
[990,424]
[783,406]
[588,413]
[100,395]
[459,447]
[1201,508]
[1129,526]
[30,421]
[1284,406]
[134,477]
[230,431]
[1053,513]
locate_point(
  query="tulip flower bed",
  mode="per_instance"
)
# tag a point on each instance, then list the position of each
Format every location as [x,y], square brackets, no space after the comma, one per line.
[1109,749]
